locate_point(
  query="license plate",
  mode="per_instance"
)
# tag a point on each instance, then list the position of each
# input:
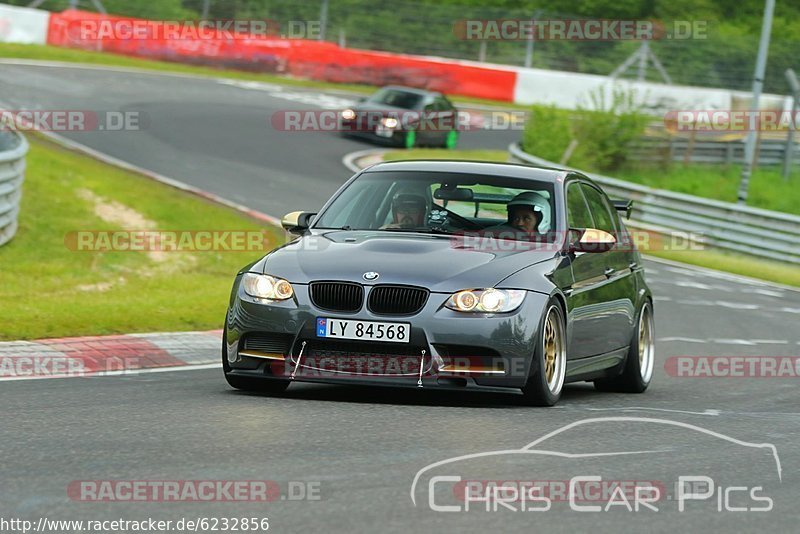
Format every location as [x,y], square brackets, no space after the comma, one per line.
[364,330]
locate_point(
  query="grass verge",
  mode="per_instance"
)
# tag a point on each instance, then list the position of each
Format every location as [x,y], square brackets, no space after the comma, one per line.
[768,190]
[53,53]
[742,264]
[50,290]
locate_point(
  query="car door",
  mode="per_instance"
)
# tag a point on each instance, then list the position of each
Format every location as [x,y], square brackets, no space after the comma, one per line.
[447,118]
[619,292]
[589,293]
[426,133]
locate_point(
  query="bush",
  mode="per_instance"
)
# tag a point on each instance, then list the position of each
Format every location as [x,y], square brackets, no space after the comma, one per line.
[547,132]
[604,131]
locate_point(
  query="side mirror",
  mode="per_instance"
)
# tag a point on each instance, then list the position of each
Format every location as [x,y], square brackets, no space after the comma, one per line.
[590,240]
[297,222]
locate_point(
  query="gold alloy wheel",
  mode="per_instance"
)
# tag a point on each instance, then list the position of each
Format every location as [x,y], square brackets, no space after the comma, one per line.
[646,344]
[549,351]
[554,351]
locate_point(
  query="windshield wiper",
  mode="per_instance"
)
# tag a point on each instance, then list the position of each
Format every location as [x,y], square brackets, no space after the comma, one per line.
[426,230]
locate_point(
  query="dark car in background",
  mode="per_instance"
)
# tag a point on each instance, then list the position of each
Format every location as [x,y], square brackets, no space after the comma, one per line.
[417,274]
[405,117]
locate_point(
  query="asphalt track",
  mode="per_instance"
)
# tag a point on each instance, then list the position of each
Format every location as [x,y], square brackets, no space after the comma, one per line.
[361,449]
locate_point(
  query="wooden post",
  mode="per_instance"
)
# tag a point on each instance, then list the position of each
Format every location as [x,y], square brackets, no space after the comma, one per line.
[687,156]
[729,153]
[757,153]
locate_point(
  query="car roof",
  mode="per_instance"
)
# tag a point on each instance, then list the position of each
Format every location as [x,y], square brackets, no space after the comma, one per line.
[511,170]
[414,90]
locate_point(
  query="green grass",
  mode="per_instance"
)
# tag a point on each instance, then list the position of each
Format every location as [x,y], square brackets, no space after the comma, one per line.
[741,264]
[767,190]
[48,290]
[53,53]
[782,273]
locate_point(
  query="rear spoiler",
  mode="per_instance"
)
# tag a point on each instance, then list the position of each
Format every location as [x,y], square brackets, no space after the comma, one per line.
[623,206]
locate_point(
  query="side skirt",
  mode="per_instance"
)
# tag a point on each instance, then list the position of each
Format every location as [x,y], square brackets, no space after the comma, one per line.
[600,366]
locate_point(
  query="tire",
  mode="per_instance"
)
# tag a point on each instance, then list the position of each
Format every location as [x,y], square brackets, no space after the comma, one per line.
[546,382]
[638,371]
[451,141]
[249,383]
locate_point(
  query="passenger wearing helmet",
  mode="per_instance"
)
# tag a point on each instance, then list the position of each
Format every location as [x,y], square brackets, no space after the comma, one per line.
[408,211]
[526,213]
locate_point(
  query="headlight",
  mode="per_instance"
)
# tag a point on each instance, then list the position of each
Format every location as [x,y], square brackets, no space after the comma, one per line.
[486,300]
[348,114]
[266,287]
[389,122]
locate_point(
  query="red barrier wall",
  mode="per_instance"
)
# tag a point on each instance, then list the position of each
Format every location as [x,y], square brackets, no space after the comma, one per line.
[303,58]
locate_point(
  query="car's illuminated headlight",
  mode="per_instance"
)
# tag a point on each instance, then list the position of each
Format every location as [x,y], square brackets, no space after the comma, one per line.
[486,300]
[390,122]
[264,286]
[348,114]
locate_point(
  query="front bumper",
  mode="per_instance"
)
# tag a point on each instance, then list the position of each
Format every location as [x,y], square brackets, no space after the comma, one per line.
[390,136]
[447,349]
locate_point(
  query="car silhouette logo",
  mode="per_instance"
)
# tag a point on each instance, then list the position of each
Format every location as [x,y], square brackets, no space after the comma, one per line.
[372,275]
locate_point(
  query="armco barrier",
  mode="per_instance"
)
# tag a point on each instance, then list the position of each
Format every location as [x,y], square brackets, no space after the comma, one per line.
[763,233]
[770,151]
[13,148]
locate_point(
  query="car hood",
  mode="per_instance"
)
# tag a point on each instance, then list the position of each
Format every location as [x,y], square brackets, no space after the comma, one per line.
[439,263]
[375,106]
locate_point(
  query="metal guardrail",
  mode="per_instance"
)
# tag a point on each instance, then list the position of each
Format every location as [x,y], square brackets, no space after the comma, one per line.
[763,233]
[13,147]
[770,151]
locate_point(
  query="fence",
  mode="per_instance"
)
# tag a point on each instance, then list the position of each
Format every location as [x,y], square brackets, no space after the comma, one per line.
[763,233]
[770,151]
[13,148]
[722,56]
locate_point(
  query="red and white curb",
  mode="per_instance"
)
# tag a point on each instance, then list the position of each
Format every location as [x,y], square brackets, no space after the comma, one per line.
[108,355]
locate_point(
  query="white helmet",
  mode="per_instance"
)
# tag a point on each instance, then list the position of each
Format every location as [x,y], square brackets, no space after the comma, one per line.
[537,203]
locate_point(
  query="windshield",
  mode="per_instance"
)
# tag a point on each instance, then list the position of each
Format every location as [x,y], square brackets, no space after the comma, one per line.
[446,203]
[396,98]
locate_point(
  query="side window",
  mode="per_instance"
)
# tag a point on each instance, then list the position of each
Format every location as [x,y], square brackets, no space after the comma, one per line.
[577,212]
[442,104]
[601,211]
[358,205]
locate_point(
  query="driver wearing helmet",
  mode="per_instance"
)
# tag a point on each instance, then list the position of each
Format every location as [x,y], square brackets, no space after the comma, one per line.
[408,211]
[526,213]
